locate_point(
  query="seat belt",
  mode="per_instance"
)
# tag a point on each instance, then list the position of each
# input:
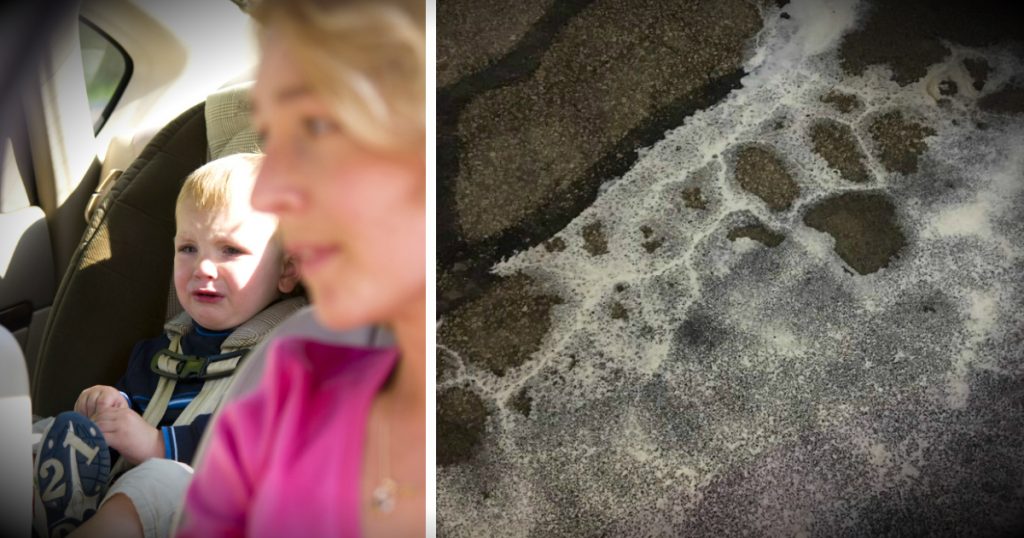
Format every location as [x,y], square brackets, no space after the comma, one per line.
[171,365]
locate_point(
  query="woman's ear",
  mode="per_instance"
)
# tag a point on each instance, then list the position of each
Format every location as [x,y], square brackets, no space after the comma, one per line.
[289,275]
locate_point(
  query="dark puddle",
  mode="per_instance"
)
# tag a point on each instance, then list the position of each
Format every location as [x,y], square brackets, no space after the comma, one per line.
[907,36]
[979,70]
[761,172]
[500,329]
[864,226]
[650,243]
[522,402]
[1008,100]
[757,232]
[843,102]
[461,420]
[898,141]
[555,244]
[835,143]
[693,199]
[594,240]
[618,311]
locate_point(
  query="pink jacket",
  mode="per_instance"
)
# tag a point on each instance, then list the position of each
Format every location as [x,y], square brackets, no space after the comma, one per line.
[285,459]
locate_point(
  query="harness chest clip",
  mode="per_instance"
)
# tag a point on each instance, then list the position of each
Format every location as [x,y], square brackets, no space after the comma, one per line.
[181,367]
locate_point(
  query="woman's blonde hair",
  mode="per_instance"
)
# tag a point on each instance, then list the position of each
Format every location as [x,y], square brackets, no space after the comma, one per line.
[367,57]
[209,187]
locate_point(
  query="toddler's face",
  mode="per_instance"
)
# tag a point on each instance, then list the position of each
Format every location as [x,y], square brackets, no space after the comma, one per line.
[227,266]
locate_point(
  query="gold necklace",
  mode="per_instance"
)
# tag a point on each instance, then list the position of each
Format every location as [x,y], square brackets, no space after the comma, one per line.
[385,496]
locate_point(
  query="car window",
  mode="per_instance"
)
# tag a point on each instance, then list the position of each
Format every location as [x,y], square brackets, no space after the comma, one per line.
[107,70]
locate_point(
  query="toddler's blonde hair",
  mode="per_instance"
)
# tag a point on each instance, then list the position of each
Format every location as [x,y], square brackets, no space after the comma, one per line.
[211,188]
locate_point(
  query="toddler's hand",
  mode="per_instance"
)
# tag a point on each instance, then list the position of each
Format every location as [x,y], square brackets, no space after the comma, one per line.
[128,433]
[98,397]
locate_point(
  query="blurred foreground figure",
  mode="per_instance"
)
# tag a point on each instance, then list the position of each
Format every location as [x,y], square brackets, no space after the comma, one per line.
[332,441]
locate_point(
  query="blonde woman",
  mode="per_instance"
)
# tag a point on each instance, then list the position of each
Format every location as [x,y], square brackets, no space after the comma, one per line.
[332,441]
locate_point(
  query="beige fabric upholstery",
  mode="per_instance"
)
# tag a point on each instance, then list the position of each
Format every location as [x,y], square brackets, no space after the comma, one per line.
[228,129]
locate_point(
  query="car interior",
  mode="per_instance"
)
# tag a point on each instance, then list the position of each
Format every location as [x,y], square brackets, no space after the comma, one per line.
[110,122]
[116,117]
[130,97]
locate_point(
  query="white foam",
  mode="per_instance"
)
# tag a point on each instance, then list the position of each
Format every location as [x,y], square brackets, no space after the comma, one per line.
[816,27]
[965,219]
[960,244]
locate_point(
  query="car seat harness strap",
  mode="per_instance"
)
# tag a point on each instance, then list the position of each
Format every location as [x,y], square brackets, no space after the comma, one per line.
[172,365]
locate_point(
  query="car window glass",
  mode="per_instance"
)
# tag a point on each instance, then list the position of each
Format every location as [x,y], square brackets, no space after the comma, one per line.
[107,70]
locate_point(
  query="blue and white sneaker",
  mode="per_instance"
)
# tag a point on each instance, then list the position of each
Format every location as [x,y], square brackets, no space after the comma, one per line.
[71,474]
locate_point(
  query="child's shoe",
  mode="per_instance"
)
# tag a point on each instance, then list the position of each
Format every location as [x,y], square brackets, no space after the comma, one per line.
[71,474]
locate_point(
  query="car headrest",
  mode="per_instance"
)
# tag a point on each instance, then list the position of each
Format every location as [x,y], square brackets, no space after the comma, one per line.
[228,129]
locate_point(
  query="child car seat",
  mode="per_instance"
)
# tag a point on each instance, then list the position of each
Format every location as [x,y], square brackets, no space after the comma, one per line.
[115,291]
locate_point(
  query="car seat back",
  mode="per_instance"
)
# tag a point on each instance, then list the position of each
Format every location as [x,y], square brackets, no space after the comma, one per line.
[115,289]
[16,441]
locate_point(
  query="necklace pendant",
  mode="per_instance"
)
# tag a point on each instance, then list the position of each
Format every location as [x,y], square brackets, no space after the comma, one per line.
[384,496]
